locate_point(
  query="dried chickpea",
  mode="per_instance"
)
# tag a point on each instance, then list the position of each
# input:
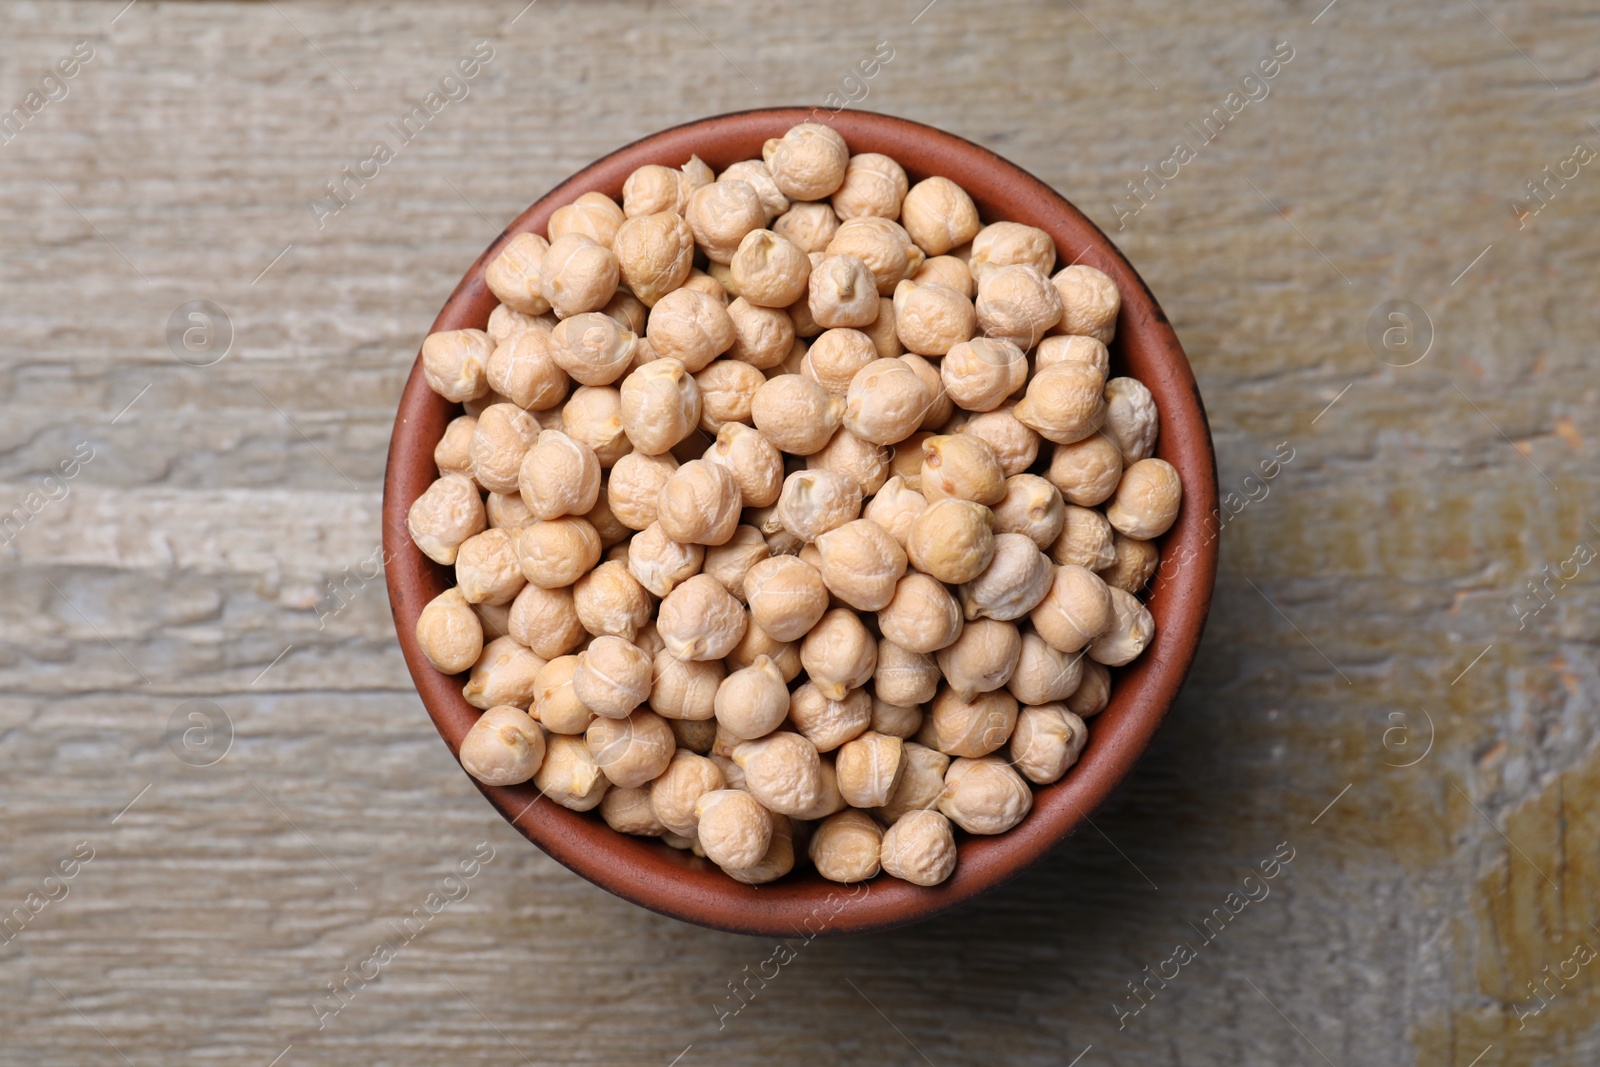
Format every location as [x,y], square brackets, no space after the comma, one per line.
[770,271]
[904,677]
[717,285]
[930,318]
[971,727]
[699,504]
[1086,471]
[809,226]
[447,513]
[950,272]
[524,370]
[720,214]
[842,293]
[730,562]
[652,189]
[981,373]
[487,571]
[1147,499]
[939,215]
[961,466]
[691,327]
[779,858]
[1065,402]
[1004,244]
[755,462]
[453,362]
[684,689]
[894,507]
[1131,418]
[1089,302]
[921,781]
[1017,303]
[984,795]
[808,162]
[920,848]
[846,847]
[1015,445]
[726,387]
[755,172]
[556,552]
[513,275]
[1132,565]
[734,829]
[883,245]
[1043,673]
[593,415]
[1093,692]
[577,275]
[805,325]
[835,357]
[952,540]
[546,620]
[1012,585]
[885,399]
[504,747]
[756,643]
[869,767]
[569,775]
[1032,507]
[839,654]
[701,620]
[881,331]
[1085,540]
[861,562]
[631,751]
[495,618]
[609,600]
[555,705]
[922,616]
[506,321]
[828,722]
[782,771]
[1072,349]
[787,596]
[628,811]
[505,673]
[1047,742]
[453,453]
[753,701]
[864,463]
[655,253]
[635,485]
[661,405]
[594,215]
[661,563]
[1075,611]
[449,632]
[762,337]
[940,406]
[628,312]
[559,476]
[873,184]
[815,501]
[592,348]
[982,658]
[1131,630]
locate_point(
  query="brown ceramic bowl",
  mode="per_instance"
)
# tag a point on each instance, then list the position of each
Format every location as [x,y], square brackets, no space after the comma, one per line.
[648,872]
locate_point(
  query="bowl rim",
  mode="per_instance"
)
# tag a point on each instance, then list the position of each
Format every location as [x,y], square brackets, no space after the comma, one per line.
[651,874]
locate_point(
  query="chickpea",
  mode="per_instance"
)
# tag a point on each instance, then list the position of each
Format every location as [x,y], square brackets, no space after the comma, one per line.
[655,253]
[734,828]
[880,243]
[609,600]
[652,189]
[1131,418]
[885,401]
[787,596]
[504,673]
[873,184]
[504,747]
[594,215]
[759,178]
[559,476]
[1075,611]
[1072,349]
[1017,303]
[593,415]
[453,453]
[684,689]
[675,793]
[447,513]
[1043,674]
[920,848]
[1004,244]
[782,771]
[487,571]
[696,173]
[1130,632]
[839,654]
[756,643]
[815,501]
[701,620]
[922,616]
[1087,471]
[495,618]
[846,847]
[940,406]
[500,439]
[453,362]
[555,705]
[628,811]
[1132,565]
[1047,742]
[505,321]
[984,795]
[718,285]
[983,657]
[633,750]
[635,485]
[828,722]
[961,466]
[861,562]
[577,275]
[762,336]
[661,563]
[894,507]
[1015,446]
[805,325]
[729,563]
[1089,302]
[1093,692]
[506,511]
[1031,507]
[939,215]
[1085,540]
[449,632]
[753,701]
[810,226]
[727,387]
[699,504]
[592,347]
[1147,499]
[523,368]
[556,552]
[756,464]
[613,534]
[770,271]
[546,620]
[862,462]
[1012,585]
[513,275]
[950,272]
[779,858]
[1064,403]
[843,293]
[904,677]
[869,768]
[661,405]
[972,726]
[981,373]
[953,540]
[691,327]
[930,318]
[921,782]
[720,214]
[835,357]
[894,720]
[569,775]
[808,162]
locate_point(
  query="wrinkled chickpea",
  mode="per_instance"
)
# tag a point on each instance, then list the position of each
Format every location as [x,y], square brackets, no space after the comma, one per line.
[1017,578]
[894,507]
[787,596]
[828,722]
[809,226]
[660,405]
[513,275]
[842,292]
[984,795]
[628,811]
[1133,563]
[864,463]
[1131,630]
[869,767]
[981,373]
[1015,446]
[655,254]
[1089,302]
[904,677]
[873,184]
[939,215]
[1047,742]
[1031,507]
[782,771]
[609,600]
[940,406]
[835,357]
[883,245]
[920,848]
[701,620]
[950,272]
[1147,499]
[652,189]
[895,720]
[569,775]
[952,540]
[593,415]
[661,563]
[447,513]
[505,321]
[731,561]
[756,464]
[453,362]
[557,552]
[449,632]
[1131,418]
[733,828]
[973,726]
[555,706]
[921,781]
[816,501]
[885,399]
[1064,403]
[846,847]
[546,620]
[453,453]
[770,271]
[1093,692]
[523,369]
[922,615]
[756,643]
[683,688]
[1085,540]
[839,654]
[635,485]
[727,388]
[762,337]
[1069,348]
[1004,244]
[506,511]
[881,332]
[961,466]
[779,858]
[755,172]
[1043,673]
[594,215]
[1075,611]
[931,318]
[720,214]
[592,348]
[577,275]
[753,701]
[808,162]
[691,327]
[505,673]
[559,476]
[633,750]
[504,747]
[699,504]
[1087,471]
[487,571]
[982,658]
[861,562]
[677,790]
[1017,303]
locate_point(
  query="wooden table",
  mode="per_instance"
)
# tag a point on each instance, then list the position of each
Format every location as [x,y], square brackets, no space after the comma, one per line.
[1375,695]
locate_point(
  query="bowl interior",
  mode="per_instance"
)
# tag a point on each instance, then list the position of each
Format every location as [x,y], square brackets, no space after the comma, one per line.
[677,883]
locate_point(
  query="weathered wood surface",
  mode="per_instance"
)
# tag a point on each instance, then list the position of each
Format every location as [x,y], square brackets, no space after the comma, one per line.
[1372,591]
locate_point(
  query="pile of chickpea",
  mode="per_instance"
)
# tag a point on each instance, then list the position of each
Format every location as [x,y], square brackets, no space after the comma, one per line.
[793,513]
